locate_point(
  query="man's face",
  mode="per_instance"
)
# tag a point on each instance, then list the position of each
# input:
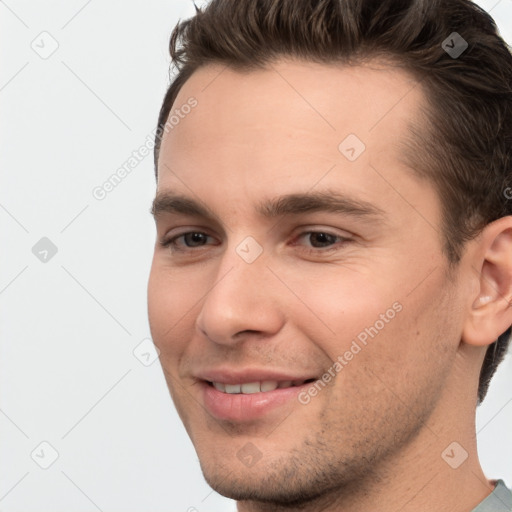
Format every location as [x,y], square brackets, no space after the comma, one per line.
[274,295]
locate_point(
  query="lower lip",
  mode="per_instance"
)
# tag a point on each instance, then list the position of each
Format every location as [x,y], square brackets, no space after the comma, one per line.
[242,407]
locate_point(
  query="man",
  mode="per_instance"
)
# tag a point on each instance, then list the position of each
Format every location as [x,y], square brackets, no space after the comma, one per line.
[331,287]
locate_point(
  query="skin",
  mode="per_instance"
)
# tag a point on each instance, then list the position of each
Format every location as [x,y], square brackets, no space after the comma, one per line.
[374,436]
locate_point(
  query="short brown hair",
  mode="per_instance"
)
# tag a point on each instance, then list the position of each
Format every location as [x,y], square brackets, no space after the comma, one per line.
[464,146]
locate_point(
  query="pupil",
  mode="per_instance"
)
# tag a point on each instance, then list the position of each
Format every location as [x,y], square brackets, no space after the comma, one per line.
[194,239]
[322,239]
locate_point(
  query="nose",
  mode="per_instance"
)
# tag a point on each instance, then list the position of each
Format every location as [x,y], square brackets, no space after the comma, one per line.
[242,301]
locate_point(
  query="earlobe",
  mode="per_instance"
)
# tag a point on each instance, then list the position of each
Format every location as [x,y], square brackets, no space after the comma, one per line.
[490,314]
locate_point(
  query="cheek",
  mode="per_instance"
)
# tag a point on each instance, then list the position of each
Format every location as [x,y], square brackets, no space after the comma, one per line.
[171,300]
[371,320]
[417,345]
[336,306]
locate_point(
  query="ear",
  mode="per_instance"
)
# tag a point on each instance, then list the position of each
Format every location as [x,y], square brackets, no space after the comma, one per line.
[490,312]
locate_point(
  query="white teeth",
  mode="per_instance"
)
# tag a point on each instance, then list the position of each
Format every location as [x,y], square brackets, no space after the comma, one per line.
[250,387]
[219,386]
[233,388]
[269,385]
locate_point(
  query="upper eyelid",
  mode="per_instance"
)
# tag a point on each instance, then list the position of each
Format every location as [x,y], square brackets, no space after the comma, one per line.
[302,231]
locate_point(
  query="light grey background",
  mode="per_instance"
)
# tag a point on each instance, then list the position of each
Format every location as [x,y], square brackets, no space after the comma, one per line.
[69,325]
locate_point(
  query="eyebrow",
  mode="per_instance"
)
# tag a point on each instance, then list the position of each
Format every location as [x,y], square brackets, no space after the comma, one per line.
[290,204]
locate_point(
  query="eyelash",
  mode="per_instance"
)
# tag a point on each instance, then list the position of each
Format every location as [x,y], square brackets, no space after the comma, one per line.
[171,242]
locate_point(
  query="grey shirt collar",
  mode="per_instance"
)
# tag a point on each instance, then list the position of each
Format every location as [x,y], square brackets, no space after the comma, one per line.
[500,500]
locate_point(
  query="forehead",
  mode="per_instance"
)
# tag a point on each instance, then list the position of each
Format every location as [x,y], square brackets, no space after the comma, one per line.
[295,95]
[292,122]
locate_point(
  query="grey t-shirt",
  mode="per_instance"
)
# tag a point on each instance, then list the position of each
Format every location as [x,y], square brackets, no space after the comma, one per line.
[500,500]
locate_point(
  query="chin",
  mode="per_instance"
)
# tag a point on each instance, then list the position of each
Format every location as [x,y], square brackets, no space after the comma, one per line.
[288,481]
[250,487]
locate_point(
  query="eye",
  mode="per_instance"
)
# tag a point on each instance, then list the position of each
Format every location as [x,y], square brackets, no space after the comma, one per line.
[189,240]
[319,240]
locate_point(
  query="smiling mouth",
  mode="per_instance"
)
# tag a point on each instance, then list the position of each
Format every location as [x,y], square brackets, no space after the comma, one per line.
[248,388]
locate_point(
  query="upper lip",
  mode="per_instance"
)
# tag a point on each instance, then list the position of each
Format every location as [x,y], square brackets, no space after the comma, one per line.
[242,376]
